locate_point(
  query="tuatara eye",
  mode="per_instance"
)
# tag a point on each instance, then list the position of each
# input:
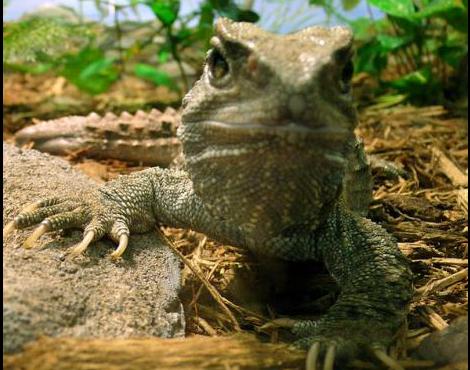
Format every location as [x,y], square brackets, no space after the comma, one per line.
[218,66]
[346,76]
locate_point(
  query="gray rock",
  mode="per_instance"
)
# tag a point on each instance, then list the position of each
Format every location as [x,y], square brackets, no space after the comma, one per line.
[447,346]
[47,293]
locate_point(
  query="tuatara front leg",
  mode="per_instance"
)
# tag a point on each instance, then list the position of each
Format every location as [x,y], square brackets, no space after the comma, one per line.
[135,203]
[376,286]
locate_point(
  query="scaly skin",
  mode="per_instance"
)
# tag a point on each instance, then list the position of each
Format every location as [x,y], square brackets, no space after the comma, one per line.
[148,138]
[272,165]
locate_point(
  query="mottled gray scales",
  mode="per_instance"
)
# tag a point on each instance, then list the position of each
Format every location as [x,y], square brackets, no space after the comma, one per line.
[271,163]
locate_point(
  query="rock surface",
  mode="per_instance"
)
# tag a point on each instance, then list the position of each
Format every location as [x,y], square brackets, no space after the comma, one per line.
[48,293]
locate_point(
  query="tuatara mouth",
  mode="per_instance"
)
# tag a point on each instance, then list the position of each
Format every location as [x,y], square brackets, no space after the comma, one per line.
[291,131]
[215,142]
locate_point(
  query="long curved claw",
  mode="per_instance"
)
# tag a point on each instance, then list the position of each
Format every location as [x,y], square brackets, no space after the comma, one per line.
[312,356]
[386,359]
[123,242]
[329,358]
[37,233]
[83,245]
[9,227]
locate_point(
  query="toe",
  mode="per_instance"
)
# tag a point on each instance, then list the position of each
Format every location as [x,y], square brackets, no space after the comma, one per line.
[66,220]
[35,216]
[329,358]
[120,233]
[81,247]
[312,356]
[37,233]
[95,230]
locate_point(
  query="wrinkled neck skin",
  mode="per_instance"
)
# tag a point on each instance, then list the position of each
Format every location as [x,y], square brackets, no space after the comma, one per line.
[265,180]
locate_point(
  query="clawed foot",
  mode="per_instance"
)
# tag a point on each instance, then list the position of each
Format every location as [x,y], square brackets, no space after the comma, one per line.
[325,350]
[56,213]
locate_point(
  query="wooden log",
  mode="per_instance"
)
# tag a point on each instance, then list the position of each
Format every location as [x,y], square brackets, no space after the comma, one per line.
[240,351]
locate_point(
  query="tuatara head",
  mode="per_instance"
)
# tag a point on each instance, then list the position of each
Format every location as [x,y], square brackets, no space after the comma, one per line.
[267,128]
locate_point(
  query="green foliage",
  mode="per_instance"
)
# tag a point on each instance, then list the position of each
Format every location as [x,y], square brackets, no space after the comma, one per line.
[92,61]
[40,39]
[422,40]
[179,38]
[90,70]
[150,73]
[165,10]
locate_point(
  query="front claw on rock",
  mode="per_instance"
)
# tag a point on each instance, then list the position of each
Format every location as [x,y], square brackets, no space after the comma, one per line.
[123,242]
[37,233]
[8,229]
[83,245]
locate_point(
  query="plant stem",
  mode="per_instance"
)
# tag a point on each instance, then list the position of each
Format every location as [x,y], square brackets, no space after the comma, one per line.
[117,25]
[177,58]
[369,11]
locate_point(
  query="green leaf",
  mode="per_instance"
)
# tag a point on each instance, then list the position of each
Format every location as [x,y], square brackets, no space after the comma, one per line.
[163,55]
[35,69]
[229,9]
[349,4]
[204,30]
[366,29]
[453,11]
[158,77]
[387,101]
[247,16]
[318,2]
[370,58]
[419,86]
[206,15]
[363,29]
[437,7]
[413,80]
[90,70]
[452,54]
[99,67]
[397,8]
[184,37]
[165,10]
[392,43]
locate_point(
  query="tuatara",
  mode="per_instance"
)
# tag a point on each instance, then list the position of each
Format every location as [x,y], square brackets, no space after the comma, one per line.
[271,163]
